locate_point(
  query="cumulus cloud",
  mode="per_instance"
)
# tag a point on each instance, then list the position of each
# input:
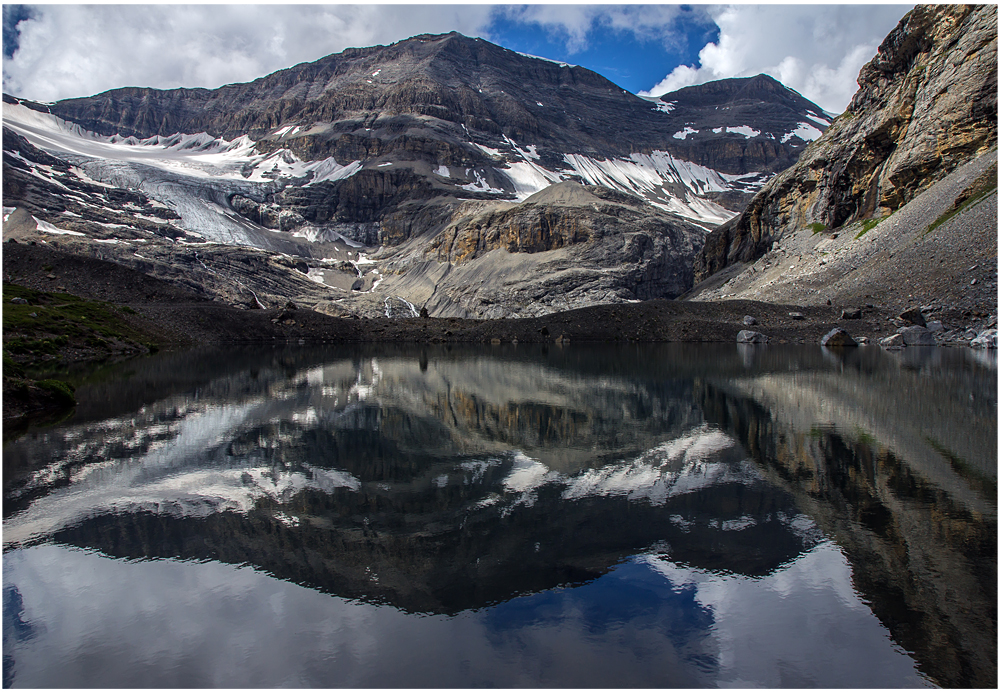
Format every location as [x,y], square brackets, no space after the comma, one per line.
[53,52]
[78,50]
[817,50]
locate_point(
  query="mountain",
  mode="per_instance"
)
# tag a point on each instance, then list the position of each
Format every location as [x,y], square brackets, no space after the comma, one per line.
[392,146]
[451,91]
[753,123]
[897,196]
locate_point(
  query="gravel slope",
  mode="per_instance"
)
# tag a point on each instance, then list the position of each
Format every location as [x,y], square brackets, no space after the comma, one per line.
[894,265]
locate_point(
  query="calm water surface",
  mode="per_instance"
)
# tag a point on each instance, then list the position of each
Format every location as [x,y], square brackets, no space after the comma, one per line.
[672,516]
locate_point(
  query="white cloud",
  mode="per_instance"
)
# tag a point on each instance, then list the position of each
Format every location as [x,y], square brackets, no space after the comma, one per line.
[78,50]
[817,50]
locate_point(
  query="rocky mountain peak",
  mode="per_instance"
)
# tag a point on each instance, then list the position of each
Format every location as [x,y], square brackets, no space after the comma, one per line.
[726,92]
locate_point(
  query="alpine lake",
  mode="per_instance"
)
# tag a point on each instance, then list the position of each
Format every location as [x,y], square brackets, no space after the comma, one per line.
[509,516]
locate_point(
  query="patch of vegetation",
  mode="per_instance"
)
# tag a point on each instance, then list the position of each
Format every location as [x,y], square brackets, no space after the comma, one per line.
[49,317]
[62,391]
[819,432]
[10,368]
[865,437]
[869,225]
[817,227]
[50,328]
[984,185]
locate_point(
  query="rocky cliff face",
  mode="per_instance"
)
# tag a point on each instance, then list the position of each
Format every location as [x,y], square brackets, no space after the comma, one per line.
[925,104]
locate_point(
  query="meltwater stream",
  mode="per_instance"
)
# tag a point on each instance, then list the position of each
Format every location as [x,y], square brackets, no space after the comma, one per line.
[517,517]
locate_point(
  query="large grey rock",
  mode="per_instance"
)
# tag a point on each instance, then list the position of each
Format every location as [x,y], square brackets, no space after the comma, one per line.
[987,339]
[913,316]
[749,320]
[750,337]
[916,336]
[893,342]
[850,314]
[837,338]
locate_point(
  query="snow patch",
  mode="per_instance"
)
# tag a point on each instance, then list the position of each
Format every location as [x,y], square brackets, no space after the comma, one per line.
[744,130]
[494,153]
[480,185]
[684,133]
[192,155]
[442,171]
[323,235]
[805,132]
[825,122]
[46,227]
[649,175]
[529,178]
[537,57]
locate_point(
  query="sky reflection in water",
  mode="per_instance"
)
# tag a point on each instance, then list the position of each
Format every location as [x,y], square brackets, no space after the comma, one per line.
[706,517]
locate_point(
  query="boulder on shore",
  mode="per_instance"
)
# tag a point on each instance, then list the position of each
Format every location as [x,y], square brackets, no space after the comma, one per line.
[749,337]
[987,339]
[892,342]
[913,316]
[749,320]
[916,336]
[837,338]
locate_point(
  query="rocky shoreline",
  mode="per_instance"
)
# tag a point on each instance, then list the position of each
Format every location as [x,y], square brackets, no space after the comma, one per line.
[171,318]
[150,313]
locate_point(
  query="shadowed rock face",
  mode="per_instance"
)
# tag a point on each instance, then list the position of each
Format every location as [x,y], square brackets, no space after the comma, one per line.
[925,104]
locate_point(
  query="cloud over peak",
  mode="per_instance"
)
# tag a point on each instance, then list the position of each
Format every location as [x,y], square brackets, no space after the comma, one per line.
[817,50]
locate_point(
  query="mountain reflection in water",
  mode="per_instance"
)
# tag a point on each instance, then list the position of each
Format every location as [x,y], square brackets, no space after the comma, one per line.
[461,516]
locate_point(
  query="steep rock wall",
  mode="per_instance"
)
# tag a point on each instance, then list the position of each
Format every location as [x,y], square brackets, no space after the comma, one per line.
[926,103]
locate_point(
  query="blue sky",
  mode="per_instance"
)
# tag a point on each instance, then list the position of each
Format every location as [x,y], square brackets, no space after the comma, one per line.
[53,51]
[633,62]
